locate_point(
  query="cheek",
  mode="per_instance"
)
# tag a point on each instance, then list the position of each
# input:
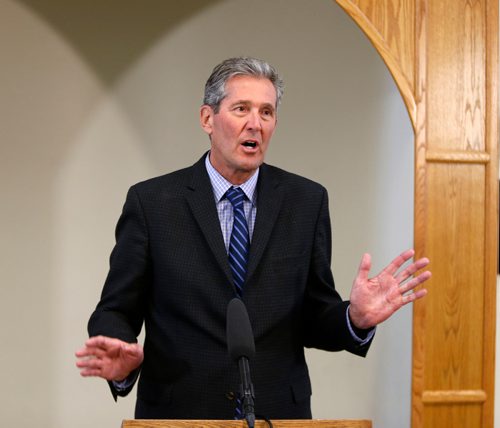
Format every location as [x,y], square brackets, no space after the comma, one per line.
[230,130]
[269,133]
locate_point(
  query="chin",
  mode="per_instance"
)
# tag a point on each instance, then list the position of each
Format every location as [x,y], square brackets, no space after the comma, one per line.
[253,161]
[251,166]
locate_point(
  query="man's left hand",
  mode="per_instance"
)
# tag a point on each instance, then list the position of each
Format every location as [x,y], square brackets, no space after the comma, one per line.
[373,300]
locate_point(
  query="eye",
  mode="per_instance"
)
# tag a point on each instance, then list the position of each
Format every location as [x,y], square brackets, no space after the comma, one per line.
[267,113]
[240,109]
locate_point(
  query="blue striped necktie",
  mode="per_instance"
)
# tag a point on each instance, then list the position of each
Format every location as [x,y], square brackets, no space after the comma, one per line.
[239,243]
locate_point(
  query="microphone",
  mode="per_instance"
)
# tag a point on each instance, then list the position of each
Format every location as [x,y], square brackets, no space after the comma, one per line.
[241,348]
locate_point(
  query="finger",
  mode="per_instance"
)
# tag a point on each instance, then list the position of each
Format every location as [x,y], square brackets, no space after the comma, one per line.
[421,263]
[104,342]
[82,352]
[90,352]
[90,372]
[410,270]
[90,363]
[364,267]
[399,261]
[410,285]
[99,341]
[411,297]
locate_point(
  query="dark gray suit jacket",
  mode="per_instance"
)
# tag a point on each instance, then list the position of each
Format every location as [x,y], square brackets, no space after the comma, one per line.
[169,268]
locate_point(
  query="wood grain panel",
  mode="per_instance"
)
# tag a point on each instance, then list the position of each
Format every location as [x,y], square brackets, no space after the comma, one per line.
[455,305]
[315,423]
[456,75]
[420,209]
[452,416]
[491,227]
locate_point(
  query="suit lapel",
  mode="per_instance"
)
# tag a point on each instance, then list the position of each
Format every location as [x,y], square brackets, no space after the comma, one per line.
[201,200]
[269,200]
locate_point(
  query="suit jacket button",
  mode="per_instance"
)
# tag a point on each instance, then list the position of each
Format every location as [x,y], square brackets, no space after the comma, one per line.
[230,395]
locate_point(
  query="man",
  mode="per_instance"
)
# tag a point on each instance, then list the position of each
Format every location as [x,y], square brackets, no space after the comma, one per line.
[185,248]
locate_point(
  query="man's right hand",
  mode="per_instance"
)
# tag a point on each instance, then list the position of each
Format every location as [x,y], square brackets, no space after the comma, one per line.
[109,358]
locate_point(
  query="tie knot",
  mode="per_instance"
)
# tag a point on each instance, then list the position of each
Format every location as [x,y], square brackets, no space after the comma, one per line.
[235,196]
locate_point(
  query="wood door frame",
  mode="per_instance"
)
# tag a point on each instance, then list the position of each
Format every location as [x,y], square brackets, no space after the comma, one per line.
[460,235]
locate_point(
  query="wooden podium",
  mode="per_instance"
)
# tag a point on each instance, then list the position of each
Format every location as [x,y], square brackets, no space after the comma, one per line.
[302,423]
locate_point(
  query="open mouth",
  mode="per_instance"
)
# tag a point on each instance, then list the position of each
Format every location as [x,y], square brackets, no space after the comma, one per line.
[251,144]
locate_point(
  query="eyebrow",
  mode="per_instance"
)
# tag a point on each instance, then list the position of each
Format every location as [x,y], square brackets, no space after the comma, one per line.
[265,105]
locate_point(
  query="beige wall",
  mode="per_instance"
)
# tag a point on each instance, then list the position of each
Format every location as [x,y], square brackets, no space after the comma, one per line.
[96,97]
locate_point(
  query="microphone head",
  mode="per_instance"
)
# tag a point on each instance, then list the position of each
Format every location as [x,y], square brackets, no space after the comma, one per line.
[240,342]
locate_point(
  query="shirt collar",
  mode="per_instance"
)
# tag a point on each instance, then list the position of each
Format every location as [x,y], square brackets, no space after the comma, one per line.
[220,185]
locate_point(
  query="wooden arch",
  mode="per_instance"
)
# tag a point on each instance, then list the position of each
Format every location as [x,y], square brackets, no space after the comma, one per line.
[443,57]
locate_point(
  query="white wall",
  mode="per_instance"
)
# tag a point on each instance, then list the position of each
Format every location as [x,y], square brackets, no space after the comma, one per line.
[96,97]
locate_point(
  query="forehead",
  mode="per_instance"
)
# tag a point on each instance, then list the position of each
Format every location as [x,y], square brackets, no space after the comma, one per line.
[247,88]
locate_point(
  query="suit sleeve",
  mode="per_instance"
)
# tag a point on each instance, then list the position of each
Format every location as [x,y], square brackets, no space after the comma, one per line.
[120,311]
[325,313]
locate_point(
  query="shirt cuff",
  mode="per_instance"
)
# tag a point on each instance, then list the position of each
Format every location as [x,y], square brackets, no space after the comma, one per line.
[126,383]
[368,333]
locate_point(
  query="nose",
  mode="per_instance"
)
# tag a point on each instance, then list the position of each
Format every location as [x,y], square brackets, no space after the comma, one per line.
[254,123]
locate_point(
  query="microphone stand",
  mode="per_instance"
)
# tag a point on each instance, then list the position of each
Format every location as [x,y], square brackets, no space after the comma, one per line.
[247,392]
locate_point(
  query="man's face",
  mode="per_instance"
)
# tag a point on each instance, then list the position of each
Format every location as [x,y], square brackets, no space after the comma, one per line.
[240,132]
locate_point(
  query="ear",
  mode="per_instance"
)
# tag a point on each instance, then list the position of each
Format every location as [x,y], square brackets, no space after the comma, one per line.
[206,118]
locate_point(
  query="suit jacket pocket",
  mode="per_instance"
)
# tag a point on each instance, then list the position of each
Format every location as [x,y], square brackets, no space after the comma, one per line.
[154,392]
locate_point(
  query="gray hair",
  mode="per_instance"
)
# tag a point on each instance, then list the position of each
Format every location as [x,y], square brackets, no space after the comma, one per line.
[215,88]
